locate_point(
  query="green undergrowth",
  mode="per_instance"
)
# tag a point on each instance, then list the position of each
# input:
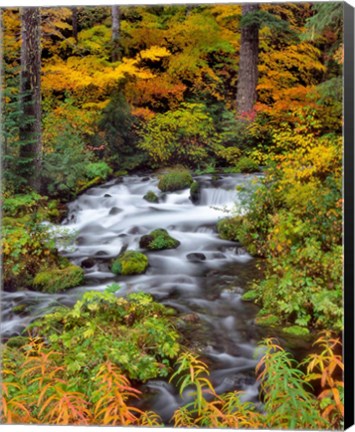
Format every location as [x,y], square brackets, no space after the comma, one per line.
[54,280]
[134,333]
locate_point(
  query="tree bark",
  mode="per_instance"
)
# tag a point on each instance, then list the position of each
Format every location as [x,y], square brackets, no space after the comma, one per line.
[248,64]
[116,48]
[30,93]
[75,23]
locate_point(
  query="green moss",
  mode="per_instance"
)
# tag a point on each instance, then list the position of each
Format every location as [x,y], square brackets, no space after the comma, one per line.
[56,280]
[158,239]
[19,309]
[130,263]
[296,331]
[267,320]
[175,179]
[228,228]
[250,295]
[151,197]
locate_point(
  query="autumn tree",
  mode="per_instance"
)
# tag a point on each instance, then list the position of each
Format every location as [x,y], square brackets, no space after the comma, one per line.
[248,60]
[30,91]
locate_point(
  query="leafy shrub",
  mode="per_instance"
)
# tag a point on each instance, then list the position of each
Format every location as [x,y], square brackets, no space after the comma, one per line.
[130,263]
[228,228]
[55,280]
[184,136]
[158,239]
[98,169]
[22,204]
[246,165]
[175,179]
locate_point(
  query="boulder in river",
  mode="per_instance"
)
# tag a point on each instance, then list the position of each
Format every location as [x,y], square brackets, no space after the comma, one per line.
[130,263]
[158,239]
[195,192]
[150,196]
[55,280]
[196,257]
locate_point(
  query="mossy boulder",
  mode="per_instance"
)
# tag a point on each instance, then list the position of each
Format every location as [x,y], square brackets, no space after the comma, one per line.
[150,196]
[174,180]
[195,192]
[267,320]
[55,280]
[158,239]
[296,331]
[130,263]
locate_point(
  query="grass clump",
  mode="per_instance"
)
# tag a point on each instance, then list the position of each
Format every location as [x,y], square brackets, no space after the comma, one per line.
[158,239]
[130,263]
[246,165]
[56,280]
[175,179]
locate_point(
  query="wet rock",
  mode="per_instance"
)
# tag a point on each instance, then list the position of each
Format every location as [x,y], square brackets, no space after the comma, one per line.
[107,196]
[115,210]
[196,257]
[195,192]
[218,255]
[190,317]
[88,263]
[101,253]
[150,196]
[145,179]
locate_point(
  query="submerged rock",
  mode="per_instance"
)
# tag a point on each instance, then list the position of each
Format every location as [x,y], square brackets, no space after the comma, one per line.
[130,263]
[115,210]
[158,239]
[88,263]
[196,257]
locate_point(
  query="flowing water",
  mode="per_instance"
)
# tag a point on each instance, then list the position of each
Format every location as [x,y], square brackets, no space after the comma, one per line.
[203,279]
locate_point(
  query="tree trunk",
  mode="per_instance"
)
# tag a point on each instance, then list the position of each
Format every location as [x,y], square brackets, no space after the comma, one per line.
[74,19]
[116,48]
[30,92]
[248,64]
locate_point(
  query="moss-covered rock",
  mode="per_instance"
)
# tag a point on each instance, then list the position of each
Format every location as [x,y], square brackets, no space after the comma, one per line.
[150,196]
[158,239]
[17,341]
[87,185]
[175,179]
[296,330]
[228,228]
[55,280]
[130,263]
[195,192]
[267,320]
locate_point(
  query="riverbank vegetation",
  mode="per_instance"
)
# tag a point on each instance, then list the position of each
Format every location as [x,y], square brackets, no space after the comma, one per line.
[163,89]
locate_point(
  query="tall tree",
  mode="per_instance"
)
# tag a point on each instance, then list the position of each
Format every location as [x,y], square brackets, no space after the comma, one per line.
[75,23]
[116,49]
[30,91]
[248,60]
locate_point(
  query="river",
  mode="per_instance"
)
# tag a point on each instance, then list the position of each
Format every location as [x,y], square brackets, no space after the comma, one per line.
[203,279]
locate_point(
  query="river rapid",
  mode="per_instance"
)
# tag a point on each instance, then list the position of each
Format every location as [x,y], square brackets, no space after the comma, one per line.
[203,279]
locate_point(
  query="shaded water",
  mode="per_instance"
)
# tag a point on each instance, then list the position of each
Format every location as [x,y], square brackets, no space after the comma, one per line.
[203,279]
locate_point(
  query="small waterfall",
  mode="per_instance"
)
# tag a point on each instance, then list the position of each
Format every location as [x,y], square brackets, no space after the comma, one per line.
[218,197]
